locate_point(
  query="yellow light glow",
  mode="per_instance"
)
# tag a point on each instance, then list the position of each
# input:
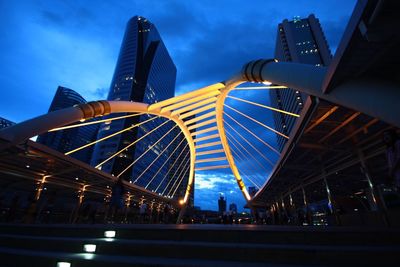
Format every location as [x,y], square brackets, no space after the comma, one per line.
[196,111]
[261,87]
[210,160]
[180,181]
[253,134]
[159,155]
[173,165]
[199,118]
[208,144]
[144,153]
[264,106]
[204,131]
[208,137]
[258,151]
[107,121]
[256,121]
[193,106]
[108,136]
[167,160]
[190,101]
[128,146]
[183,97]
[180,176]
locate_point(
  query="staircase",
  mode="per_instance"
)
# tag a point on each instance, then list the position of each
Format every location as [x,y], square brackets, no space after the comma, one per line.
[197,245]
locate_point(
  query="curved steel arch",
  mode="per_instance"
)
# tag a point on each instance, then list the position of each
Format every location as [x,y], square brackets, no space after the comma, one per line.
[242,77]
[312,80]
[221,130]
[307,78]
[27,129]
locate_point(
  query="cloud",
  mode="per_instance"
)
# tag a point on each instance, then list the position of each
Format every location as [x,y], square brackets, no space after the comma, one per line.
[213,180]
[210,185]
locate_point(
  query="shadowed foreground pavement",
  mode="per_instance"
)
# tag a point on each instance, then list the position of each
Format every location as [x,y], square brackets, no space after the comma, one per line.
[198,245]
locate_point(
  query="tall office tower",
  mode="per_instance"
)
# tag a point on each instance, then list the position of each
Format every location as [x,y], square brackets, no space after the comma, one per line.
[67,140]
[221,204]
[4,123]
[302,41]
[145,73]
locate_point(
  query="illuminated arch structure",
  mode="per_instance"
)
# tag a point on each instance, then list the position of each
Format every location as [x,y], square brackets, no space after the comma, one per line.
[207,105]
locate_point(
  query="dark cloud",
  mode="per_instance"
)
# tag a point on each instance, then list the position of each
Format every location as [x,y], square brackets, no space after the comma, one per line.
[175,20]
[65,14]
[222,51]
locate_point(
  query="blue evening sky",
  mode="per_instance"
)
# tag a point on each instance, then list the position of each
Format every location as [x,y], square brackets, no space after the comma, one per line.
[75,44]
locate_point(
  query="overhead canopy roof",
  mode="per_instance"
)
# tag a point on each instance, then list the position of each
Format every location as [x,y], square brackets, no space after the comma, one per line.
[369,46]
[329,139]
[32,161]
[328,145]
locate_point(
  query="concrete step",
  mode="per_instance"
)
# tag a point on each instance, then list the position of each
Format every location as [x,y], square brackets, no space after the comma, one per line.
[191,243]
[22,258]
[219,233]
[244,252]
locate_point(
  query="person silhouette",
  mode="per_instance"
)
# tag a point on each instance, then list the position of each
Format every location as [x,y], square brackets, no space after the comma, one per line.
[116,202]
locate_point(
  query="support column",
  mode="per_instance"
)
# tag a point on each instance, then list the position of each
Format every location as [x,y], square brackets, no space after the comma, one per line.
[304,196]
[291,201]
[181,213]
[31,214]
[272,210]
[75,213]
[308,212]
[378,203]
[127,206]
[284,212]
[278,210]
[292,211]
[331,203]
[40,187]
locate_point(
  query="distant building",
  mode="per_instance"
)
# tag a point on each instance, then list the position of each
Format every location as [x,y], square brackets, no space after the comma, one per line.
[144,73]
[67,140]
[4,123]
[221,204]
[302,41]
[233,208]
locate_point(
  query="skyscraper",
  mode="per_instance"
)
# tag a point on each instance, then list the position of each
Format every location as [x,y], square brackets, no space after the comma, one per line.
[221,204]
[145,73]
[67,140]
[4,123]
[302,41]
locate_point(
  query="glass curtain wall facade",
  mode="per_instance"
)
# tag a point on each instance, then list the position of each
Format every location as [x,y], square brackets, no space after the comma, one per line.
[66,140]
[4,123]
[144,73]
[302,41]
